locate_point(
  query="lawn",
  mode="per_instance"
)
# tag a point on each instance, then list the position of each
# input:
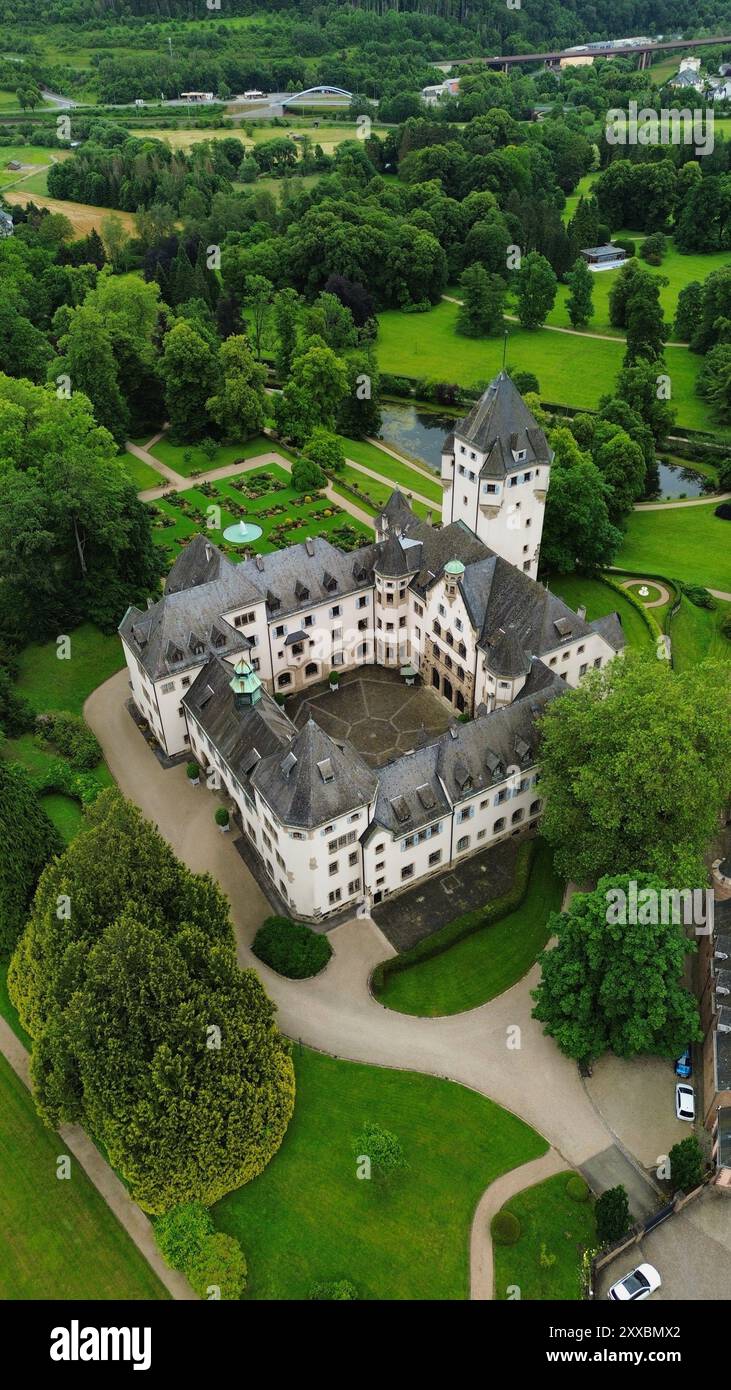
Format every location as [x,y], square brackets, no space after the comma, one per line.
[688,543]
[599,599]
[174,455]
[60,1240]
[142,475]
[677,268]
[308,1217]
[552,1224]
[307,518]
[571,369]
[396,471]
[486,963]
[66,814]
[378,492]
[52,684]
[696,634]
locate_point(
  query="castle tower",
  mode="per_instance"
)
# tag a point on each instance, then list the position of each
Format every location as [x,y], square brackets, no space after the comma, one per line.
[246,686]
[496,473]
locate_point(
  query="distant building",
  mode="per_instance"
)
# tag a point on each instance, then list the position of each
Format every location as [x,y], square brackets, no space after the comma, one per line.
[688,76]
[432,95]
[604,257]
[6,224]
[196,96]
[253,93]
[723,91]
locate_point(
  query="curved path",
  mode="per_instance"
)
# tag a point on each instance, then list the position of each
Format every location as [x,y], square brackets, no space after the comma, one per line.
[714,497]
[497,1049]
[664,593]
[482,1263]
[572,332]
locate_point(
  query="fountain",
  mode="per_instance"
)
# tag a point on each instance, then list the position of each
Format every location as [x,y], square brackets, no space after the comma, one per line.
[243,533]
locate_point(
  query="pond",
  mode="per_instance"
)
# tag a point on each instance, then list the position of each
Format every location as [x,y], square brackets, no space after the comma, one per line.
[418,433]
[678,481]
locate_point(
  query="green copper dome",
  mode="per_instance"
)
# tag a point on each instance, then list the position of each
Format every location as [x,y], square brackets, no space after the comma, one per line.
[245,684]
[454,567]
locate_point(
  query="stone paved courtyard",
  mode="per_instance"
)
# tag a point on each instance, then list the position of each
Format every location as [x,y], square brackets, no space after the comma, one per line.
[374,710]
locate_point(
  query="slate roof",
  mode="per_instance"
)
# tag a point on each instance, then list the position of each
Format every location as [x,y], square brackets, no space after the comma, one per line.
[499,424]
[477,755]
[162,638]
[610,628]
[326,781]
[395,560]
[237,734]
[302,575]
[723,1158]
[410,794]
[199,562]
[396,509]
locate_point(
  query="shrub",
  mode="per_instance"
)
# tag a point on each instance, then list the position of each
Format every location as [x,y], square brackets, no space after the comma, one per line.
[291,948]
[222,816]
[334,678]
[612,1215]
[325,449]
[218,1264]
[383,1149]
[192,771]
[726,626]
[307,476]
[654,248]
[505,1228]
[181,1231]
[335,1289]
[525,382]
[577,1189]
[698,595]
[16,715]
[686,1164]
[724,475]
[72,737]
[626,244]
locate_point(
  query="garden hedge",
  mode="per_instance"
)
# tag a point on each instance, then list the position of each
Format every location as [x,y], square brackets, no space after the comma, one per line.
[291,948]
[505,1228]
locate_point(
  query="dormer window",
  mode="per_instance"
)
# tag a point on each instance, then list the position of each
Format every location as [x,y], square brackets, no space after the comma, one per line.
[519,455]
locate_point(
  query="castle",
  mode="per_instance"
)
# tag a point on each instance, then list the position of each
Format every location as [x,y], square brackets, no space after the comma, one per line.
[458,605]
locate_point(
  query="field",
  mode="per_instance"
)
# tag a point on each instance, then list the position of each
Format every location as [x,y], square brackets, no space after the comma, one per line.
[571,370]
[52,684]
[60,1240]
[688,543]
[676,267]
[82,216]
[308,1218]
[142,475]
[696,634]
[553,1226]
[484,964]
[398,472]
[294,521]
[26,155]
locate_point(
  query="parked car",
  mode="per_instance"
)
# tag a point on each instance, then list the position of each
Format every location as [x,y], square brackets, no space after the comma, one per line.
[639,1284]
[684,1064]
[684,1102]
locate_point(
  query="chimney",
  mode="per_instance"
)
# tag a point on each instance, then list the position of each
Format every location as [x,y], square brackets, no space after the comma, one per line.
[581,612]
[429,517]
[209,552]
[260,562]
[309,546]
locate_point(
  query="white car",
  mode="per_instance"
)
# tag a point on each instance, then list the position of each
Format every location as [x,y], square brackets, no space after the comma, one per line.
[685,1102]
[642,1281]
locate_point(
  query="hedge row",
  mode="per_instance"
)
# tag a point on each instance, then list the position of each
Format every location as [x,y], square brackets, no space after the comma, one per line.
[646,614]
[465,925]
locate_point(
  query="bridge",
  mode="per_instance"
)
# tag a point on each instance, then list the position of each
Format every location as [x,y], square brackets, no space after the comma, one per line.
[643,50]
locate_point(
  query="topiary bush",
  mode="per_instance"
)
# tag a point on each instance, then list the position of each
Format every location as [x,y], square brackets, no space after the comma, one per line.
[181,1231]
[505,1228]
[291,948]
[612,1215]
[222,816]
[577,1189]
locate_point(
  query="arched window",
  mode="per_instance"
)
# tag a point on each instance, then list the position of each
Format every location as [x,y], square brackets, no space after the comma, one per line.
[311,668]
[284,679]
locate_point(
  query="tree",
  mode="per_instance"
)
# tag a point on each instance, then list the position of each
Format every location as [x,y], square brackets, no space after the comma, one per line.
[116,239]
[536,290]
[88,359]
[634,770]
[180,1232]
[714,382]
[146,1031]
[219,1268]
[383,1149]
[686,1164]
[359,413]
[612,1216]
[29,840]
[622,465]
[577,532]
[325,450]
[190,372]
[337,1289]
[580,301]
[645,388]
[328,318]
[613,985]
[645,323]
[307,476]
[313,394]
[689,311]
[239,408]
[483,302]
[257,299]
[286,319]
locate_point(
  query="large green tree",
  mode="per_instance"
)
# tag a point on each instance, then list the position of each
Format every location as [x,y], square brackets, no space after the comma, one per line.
[580,301]
[536,290]
[614,985]
[145,1029]
[239,407]
[28,842]
[483,302]
[577,531]
[190,372]
[635,769]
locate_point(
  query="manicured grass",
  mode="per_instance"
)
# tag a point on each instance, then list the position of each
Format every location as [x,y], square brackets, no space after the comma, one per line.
[398,472]
[486,963]
[572,370]
[52,684]
[226,454]
[379,492]
[696,634]
[60,1240]
[677,268]
[8,1010]
[549,1218]
[142,475]
[598,599]
[66,814]
[687,543]
[308,1217]
[302,514]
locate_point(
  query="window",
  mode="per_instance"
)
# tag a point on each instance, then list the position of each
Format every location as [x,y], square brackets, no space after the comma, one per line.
[597,664]
[504,685]
[526,566]
[565,656]
[284,679]
[185,682]
[333,867]
[389,627]
[407,872]
[362,601]
[311,668]
[342,841]
[297,835]
[338,658]
[336,611]
[435,858]
[442,614]
[380,865]
[337,634]
[489,488]
[418,610]
[354,886]
[464,815]
[353,859]
[167,687]
[181,712]
[583,669]
[309,621]
[463,844]
[517,816]
[256,664]
[380,849]
[335,896]
[498,826]
[502,796]
[580,649]
[280,631]
[297,649]
[402,622]
[535,807]
[352,819]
